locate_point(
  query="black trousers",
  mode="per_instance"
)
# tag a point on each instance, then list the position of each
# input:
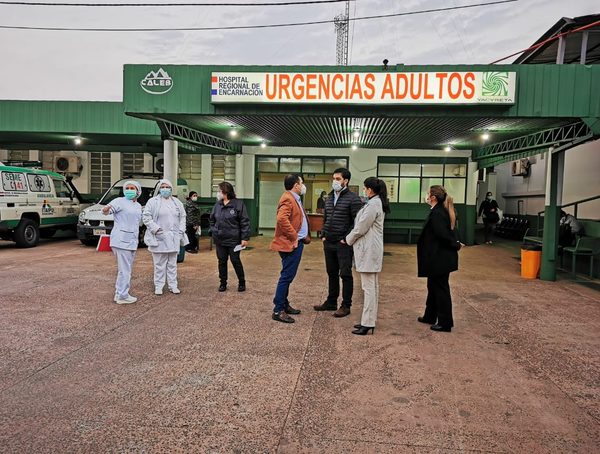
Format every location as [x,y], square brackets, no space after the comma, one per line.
[438,306]
[191,234]
[488,228]
[338,262]
[223,254]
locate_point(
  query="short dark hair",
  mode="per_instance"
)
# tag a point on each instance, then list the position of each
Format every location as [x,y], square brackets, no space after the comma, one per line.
[191,194]
[345,173]
[290,181]
[488,193]
[227,189]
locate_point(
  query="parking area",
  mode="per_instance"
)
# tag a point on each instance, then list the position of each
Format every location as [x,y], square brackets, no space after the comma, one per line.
[211,372]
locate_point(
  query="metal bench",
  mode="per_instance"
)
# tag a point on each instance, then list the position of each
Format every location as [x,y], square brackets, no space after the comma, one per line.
[401,226]
[586,246]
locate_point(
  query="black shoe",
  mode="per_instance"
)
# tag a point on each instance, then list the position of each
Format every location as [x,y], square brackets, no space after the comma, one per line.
[364,330]
[282,317]
[422,320]
[193,251]
[358,325]
[222,287]
[441,328]
[242,287]
[325,307]
[291,311]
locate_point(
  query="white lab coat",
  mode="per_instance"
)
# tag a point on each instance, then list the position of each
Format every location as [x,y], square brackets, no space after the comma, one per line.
[169,216]
[124,241]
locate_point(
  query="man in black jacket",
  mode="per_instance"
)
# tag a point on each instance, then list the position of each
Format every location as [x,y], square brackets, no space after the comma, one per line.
[341,208]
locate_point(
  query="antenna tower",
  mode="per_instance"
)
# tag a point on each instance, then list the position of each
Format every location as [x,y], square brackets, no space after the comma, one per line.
[342,25]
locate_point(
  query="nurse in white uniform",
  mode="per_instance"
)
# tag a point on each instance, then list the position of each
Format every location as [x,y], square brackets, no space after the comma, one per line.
[164,217]
[127,214]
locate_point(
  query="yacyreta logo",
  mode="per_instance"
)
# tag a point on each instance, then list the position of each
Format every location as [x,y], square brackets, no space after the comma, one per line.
[157,83]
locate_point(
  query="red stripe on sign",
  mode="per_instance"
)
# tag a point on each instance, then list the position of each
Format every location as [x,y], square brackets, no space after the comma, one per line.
[214,79]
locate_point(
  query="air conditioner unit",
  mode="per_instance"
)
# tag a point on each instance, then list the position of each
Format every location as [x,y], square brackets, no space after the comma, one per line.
[520,167]
[159,165]
[67,164]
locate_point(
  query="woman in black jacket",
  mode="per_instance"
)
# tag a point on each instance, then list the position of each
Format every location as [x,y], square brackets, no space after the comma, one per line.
[230,227]
[437,256]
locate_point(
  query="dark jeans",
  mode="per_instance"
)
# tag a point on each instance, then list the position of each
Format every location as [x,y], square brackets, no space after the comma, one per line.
[488,228]
[289,266]
[191,234]
[438,306]
[338,261]
[224,253]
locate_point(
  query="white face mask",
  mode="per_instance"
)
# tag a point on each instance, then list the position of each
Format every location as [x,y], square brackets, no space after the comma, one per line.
[219,196]
[337,186]
[194,199]
[303,189]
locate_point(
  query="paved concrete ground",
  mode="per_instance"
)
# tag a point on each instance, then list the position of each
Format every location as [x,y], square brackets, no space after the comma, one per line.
[211,372]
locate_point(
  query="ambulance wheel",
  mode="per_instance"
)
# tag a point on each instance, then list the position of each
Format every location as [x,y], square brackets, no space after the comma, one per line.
[47,233]
[27,233]
[89,242]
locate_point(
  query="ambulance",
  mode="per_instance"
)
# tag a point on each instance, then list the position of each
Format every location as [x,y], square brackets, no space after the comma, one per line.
[35,203]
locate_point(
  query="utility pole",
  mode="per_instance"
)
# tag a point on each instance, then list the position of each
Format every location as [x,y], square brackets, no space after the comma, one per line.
[342,25]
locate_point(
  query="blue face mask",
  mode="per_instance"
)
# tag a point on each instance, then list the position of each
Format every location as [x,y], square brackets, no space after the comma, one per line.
[165,192]
[130,194]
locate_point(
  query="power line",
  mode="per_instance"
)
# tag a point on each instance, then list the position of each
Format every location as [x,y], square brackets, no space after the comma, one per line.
[129,5]
[247,27]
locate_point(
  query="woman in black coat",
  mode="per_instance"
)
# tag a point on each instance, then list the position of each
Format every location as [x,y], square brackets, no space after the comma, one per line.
[230,227]
[437,256]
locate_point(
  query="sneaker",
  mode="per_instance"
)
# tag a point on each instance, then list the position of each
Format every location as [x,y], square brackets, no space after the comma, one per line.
[158,291]
[325,307]
[342,312]
[222,287]
[291,311]
[175,291]
[128,300]
[282,317]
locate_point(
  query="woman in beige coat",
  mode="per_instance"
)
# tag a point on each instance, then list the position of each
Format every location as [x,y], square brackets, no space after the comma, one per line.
[367,240]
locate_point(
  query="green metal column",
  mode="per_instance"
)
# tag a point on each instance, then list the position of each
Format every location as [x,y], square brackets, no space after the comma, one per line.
[554,186]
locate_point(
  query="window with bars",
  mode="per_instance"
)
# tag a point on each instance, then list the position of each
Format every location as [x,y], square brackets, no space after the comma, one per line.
[223,169]
[99,172]
[190,169]
[132,163]
[301,165]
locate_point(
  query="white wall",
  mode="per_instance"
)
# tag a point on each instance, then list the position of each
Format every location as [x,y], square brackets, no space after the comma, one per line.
[581,180]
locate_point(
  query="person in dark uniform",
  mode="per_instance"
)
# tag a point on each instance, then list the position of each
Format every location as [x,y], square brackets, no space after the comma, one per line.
[321,202]
[341,208]
[437,257]
[192,221]
[230,227]
[489,210]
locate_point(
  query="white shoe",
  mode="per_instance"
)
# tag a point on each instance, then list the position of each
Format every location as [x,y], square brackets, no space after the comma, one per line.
[129,300]
[158,291]
[175,290]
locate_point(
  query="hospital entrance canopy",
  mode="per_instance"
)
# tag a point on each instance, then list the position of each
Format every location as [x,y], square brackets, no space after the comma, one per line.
[524,108]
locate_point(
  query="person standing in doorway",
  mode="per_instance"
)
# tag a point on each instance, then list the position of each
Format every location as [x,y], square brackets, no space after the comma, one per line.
[489,211]
[164,217]
[192,221]
[341,208]
[437,257]
[367,240]
[291,234]
[124,237]
[321,202]
[230,227]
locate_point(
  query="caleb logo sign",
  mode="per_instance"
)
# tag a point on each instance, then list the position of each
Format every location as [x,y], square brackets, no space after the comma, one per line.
[157,83]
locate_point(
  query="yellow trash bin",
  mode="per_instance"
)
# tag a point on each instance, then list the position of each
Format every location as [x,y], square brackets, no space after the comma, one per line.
[531,259]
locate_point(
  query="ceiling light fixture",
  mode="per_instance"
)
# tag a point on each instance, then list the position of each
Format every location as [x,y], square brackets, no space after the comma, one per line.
[77,140]
[263,144]
[447,148]
[354,146]
[485,136]
[356,133]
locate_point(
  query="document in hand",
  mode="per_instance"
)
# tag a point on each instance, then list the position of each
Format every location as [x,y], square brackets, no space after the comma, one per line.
[239,247]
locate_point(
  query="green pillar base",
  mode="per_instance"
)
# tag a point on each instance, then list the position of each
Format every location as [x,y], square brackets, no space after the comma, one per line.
[550,244]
